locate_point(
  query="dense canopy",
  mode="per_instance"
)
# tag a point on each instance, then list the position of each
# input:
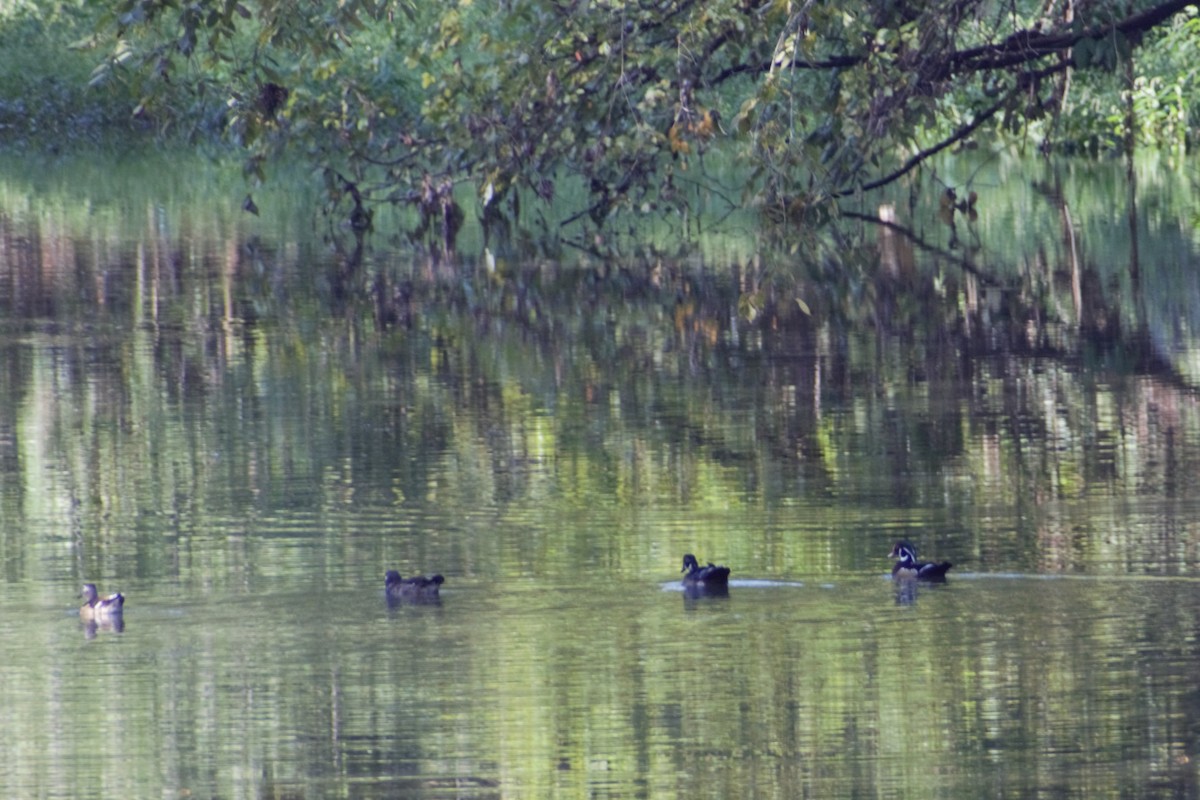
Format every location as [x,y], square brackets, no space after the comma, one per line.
[621,100]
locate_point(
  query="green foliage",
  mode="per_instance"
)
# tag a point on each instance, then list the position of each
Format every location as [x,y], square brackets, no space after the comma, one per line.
[1167,78]
[44,98]
[398,103]
[1094,112]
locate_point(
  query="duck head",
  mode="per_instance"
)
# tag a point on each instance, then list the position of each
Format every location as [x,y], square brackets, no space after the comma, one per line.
[904,552]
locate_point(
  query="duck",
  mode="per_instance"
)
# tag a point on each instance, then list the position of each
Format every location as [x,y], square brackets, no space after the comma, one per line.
[419,588]
[907,566]
[99,609]
[711,578]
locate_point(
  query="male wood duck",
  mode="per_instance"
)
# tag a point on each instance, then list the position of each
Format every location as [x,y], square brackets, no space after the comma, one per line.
[417,589]
[907,565]
[709,579]
[99,609]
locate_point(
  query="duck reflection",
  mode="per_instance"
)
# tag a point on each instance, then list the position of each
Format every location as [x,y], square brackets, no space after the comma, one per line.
[695,597]
[91,627]
[906,592]
[697,591]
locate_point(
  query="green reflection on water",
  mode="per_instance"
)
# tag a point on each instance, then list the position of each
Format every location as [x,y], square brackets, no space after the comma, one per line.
[986,686]
[226,421]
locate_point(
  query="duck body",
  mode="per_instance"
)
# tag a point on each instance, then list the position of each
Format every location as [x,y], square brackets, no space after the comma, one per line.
[907,566]
[99,609]
[418,589]
[710,579]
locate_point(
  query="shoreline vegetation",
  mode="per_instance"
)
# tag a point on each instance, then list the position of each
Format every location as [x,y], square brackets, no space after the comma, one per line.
[383,113]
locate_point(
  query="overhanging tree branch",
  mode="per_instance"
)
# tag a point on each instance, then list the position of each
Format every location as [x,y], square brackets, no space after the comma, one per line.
[958,135]
[1025,46]
[1019,48]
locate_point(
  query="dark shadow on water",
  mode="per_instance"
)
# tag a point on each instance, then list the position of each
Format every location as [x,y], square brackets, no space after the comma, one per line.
[695,596]
[907,589]
[113,625]
[397,603]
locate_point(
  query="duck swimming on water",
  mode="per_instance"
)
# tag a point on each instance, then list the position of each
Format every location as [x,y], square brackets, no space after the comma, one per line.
[417,589]
[99,609]
[908,567]
[710,579]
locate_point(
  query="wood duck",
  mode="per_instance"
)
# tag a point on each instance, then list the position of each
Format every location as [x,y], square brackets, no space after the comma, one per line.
[907,565]
[100,609]
[417,589]
[704,579]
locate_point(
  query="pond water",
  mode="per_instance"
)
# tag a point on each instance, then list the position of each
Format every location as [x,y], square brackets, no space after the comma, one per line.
[241,423]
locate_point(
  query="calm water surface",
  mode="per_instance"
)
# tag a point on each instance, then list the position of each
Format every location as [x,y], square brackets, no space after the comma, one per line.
[240,425]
